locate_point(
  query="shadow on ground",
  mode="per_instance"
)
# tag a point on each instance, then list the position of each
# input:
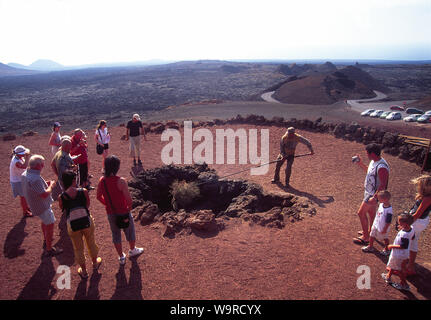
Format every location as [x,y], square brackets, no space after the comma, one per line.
[14,240]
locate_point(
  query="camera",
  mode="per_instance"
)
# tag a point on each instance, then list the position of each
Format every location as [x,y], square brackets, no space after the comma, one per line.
[355,159]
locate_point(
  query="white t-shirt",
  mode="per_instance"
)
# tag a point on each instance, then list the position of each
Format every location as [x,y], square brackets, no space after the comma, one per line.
[105,136]
[15,172]
[383,216]
[404,239]
[372,180]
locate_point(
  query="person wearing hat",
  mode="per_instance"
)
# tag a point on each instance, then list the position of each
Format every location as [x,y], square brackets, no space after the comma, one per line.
[54,140]
[17,166]
[134,130]
[288,144]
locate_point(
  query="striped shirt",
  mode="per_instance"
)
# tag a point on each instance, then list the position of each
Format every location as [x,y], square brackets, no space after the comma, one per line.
[33,185]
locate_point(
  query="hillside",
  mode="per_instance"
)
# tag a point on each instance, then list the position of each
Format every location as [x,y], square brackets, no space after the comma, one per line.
[6,70]
[316,87]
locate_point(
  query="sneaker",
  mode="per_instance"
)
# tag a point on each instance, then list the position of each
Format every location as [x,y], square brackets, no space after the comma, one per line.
[275,181]
[388,281]
[135,252]
[368,249]
[54,251]
[400,286]
[385,252]
[122,259]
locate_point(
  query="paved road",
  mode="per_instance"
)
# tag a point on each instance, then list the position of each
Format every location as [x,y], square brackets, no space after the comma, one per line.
[374,103]
[267,96]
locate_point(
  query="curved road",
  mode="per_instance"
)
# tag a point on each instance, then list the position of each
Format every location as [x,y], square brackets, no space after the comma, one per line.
[267,96]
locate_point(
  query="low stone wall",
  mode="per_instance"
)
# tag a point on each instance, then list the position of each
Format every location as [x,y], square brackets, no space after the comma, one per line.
[391,142]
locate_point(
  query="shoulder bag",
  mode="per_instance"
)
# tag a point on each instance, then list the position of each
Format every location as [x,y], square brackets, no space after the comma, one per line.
[122,221]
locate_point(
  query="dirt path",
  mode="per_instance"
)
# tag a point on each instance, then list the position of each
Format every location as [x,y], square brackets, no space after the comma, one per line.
[311,259]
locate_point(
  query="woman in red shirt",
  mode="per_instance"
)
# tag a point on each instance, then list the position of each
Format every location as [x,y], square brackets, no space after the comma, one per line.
[113,193]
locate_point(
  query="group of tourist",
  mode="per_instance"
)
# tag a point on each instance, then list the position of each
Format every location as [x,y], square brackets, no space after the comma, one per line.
[70,155]
[70,164]
[402,253]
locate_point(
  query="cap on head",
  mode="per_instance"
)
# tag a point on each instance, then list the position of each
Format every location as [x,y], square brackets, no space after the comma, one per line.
[291,130]
[65,138]
[57,124]
[136,116]
[20,150]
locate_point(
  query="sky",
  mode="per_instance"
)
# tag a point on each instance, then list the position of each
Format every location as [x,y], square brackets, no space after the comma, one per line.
[77,32]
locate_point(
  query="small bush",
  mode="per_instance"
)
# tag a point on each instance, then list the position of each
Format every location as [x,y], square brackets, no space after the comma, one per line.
[183,193]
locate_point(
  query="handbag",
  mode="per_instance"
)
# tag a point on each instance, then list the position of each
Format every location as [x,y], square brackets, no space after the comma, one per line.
[122,220]
[78,217]
[99,147]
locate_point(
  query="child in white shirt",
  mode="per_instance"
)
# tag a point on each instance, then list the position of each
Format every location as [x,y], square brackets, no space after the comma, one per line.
[381,224]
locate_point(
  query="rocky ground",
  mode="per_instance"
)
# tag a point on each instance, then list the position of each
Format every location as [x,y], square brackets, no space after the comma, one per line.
[311,258]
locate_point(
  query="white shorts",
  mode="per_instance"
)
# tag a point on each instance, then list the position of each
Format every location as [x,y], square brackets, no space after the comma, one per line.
[17,189]
[47,217]
[378,235]
[395,263]
[419,225]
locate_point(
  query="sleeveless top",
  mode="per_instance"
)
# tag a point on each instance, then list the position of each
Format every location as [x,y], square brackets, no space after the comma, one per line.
[117,198]
[415,207]
[79,201]
[372,180]
[57,140]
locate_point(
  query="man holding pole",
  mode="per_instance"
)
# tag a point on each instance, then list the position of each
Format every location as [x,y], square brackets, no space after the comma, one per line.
[288,144]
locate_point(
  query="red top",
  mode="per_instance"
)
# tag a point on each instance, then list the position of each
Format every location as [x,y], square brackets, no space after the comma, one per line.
[78,149]
[117,198]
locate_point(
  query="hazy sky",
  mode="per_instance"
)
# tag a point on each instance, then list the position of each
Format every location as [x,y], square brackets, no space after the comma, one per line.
[74,32]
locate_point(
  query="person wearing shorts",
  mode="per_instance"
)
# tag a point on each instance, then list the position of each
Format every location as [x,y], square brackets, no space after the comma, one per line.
[376,180]
[134,130]
[17,166]
[113,193]
[38,195]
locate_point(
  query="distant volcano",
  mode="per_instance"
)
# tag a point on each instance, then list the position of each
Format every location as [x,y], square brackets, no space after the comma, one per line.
[322,85]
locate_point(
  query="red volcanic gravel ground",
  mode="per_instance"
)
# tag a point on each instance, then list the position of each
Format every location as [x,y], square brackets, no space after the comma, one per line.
[310,259]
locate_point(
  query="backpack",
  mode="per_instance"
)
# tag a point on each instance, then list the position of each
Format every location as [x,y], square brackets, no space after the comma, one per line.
[77,213]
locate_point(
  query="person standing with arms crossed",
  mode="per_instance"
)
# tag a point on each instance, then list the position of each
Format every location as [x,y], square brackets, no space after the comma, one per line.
[134,130]
[376,180]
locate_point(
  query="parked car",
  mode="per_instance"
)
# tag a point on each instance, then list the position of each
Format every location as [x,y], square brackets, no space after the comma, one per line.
[367,112]
[385,114]
[428,112]
[414,111]
[396,108]
[412,118]
[376,114]
[394,116]
[425,118]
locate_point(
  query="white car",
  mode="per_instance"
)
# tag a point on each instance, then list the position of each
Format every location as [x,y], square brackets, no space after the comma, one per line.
[367,112]
[376,114]
[385,114]
[412,118]
[428,113]
[394,116]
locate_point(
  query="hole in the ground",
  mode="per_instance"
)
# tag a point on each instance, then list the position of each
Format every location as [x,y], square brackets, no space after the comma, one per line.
[213,200]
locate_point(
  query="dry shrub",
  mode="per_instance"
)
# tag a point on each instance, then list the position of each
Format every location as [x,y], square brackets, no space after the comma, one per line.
[183,193]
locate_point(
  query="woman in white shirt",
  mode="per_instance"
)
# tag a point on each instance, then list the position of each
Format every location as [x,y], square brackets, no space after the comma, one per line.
[102,137]
[54,140]
[17,166]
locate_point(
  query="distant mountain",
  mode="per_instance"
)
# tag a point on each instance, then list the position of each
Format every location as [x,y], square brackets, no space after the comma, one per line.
[17,65]
[6,70]
[46,65]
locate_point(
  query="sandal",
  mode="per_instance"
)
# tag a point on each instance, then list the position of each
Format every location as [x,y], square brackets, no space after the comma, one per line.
[98,263]
[27,214]
[384,276]
[82,274]
[361,241]
[399,286]
[368,249]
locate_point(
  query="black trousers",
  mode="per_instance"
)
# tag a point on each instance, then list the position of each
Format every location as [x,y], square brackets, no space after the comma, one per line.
[288,171]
